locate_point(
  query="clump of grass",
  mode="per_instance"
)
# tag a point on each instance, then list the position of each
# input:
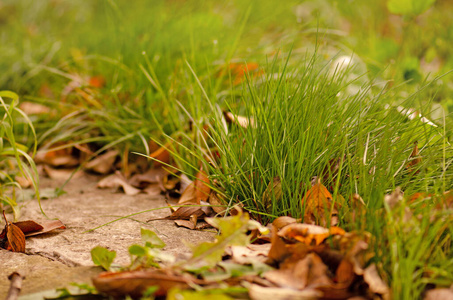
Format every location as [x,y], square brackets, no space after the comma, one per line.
[14,159]
[303,122]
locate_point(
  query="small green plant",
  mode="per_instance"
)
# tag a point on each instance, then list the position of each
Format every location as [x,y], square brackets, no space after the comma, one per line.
[14,159]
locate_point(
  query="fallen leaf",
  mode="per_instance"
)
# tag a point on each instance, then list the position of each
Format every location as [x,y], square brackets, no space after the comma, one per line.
[28,226]
[257,292]
[278,251]
[115,181]
[161,156]
[240,120]
[189,196]
[186,212]
[30,108]
[103,164]
[249,254]
[374,281]
[307,233]
[439,294]
[58,158]
[318,205]
[153,175]
[135,283]
[14,236]
[62,174]
[281,222]
[201,185]
[47,226]
[152,190]
[186,223]
[307,272]
[217,205]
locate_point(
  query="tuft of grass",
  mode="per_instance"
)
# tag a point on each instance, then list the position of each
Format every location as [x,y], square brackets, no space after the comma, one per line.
[14,159]
[302,122]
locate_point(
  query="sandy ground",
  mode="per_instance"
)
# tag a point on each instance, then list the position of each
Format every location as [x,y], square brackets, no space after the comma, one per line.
[56,259]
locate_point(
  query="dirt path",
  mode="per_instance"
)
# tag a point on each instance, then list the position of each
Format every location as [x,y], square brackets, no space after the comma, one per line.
[54,260]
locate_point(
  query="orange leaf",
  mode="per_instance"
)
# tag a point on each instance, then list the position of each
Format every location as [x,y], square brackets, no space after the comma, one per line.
[201,186]
[161,156]
[318,205]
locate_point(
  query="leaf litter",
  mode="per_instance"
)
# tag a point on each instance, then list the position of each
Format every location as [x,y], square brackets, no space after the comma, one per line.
[13,235]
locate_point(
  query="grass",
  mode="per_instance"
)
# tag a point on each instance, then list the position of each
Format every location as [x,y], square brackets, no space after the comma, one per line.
[300,124]
[14,159]
[171,70]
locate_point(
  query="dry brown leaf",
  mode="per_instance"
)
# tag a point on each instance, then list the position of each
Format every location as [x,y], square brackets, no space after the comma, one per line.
[31,108]
[47,226]
[115,181]
[170,182]
[345,273]
[161,156]
[217,204]
[239,120]
[249,254]
[257,292]
[318,205]
[58,158]
[61,174]
[187,212]
[24,181]
[186,223]
[103,164]
[439,294]
[307,272]
[202,188]
[281,222]
[28,226]
[278,251]
[153,175]
[307,233]
[135,283]
[16,238]
[375,282]
[189,196]
[152,190]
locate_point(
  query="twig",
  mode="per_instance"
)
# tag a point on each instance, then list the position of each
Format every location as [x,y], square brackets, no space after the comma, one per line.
[16,285]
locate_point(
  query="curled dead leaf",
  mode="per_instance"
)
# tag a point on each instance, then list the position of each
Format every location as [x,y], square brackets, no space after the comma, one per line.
[201,185]
[375,282]
[318,206]
[135,283]
[307,233]
[257,292]
[239,120]
[281,222]
[115,181]
[104,163]
[161,156]
[217,204]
